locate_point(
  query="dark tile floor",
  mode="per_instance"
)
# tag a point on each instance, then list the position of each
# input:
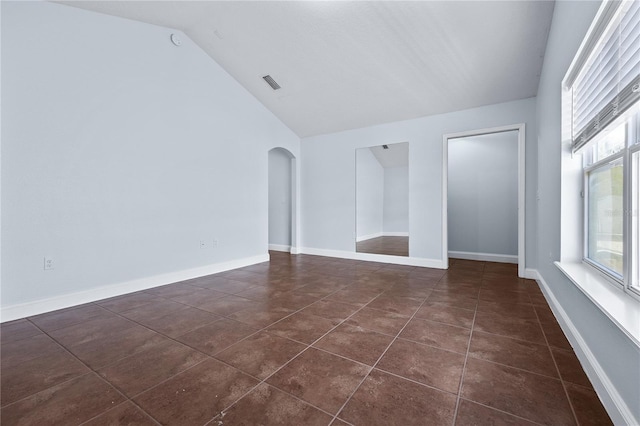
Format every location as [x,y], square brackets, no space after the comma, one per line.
[394,246]
[303,340]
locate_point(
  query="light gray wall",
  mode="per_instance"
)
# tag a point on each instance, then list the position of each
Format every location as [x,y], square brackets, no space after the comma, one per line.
[396,199]
[483,194]
[328,176]
[369,194]
[280,197]
[616,354]
[120,152]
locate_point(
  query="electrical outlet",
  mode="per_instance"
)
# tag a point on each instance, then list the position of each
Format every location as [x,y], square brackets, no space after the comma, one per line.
[48,263]
[203,244]
[215,243]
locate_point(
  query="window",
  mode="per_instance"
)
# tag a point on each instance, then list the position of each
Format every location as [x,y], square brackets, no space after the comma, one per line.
[604,89]
[611,163]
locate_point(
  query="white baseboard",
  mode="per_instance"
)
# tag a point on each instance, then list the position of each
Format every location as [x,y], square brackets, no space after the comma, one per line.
[485,257]
[280,247]
[614,404]
[370,257]
[530,274]
[395,234]
[381,234]
[368,236]
[23,310]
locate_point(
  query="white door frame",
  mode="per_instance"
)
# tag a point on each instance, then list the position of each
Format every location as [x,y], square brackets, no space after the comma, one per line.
[521,188]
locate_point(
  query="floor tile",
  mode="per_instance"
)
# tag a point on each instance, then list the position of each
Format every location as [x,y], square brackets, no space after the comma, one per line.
[425,364]
[335,311]
[18,330]
[354,297]
[268,406]
[172,290]
[180,322]
[222,284]
[128,301]
[472,414]
[114,346]
[302,327]
[261,316]
[146,369]
[90,331]
[322,379]
[153,310]
[455,300]
[504,325]
[437,334]
[513,310]
[37,375]
[446,314]
[214,337]
[71,402]
[512,352]
[534,397]
[66,317]
[227,305]
[555,336]
[199,297]
[587,406]
[398,305]
[19,351]
[570,367]
[261,354]
[197,395]
[356,343]
[124,414]
[387,400]
[380,321]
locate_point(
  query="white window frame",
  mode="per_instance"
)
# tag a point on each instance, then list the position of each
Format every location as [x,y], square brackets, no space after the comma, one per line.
[623,281]
[621,306]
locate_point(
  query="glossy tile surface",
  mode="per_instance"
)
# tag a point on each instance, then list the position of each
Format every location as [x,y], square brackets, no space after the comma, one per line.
[303,340]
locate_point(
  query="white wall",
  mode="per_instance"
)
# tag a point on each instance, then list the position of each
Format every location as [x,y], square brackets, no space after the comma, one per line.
[120,152]
[396,200]
[279,197]
[483,194]
[369,195]
[328,176]
[617,356]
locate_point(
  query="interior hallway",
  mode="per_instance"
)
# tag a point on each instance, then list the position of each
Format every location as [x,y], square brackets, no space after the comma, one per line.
[303,340]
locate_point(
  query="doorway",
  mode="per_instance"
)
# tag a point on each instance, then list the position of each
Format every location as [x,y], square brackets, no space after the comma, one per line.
[483,195]
[282,201]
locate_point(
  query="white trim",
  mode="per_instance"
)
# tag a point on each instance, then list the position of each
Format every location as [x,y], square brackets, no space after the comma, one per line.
[395,234]
[486,257]
[28,309]
[620,307]
[381,234]
[370,257]
[611,400]
[521,187]
[280,247]
[530,274]
[368,237]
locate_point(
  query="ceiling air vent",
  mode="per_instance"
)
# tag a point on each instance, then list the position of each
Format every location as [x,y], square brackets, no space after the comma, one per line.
[385,147]
[271,82]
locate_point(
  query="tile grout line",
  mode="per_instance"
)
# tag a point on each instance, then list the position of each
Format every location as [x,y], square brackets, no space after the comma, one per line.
[466,357]
[380,357]
[91,371]
[562,382]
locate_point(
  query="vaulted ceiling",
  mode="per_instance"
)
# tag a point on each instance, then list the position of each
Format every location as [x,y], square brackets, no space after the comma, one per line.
[344,65]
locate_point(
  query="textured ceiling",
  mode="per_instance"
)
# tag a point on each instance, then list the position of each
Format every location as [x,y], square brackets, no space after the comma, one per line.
[345,65]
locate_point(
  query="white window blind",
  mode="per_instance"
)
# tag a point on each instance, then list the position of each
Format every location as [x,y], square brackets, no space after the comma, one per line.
[607,82]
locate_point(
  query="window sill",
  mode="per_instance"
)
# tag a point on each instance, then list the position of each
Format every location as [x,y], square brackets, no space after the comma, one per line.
[621,308]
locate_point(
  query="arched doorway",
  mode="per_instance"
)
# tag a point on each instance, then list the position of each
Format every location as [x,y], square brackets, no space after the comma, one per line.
[282,200]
